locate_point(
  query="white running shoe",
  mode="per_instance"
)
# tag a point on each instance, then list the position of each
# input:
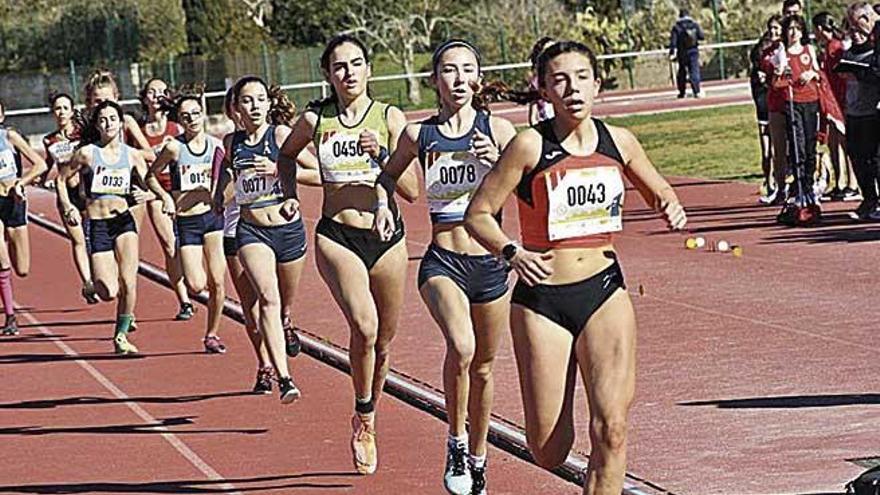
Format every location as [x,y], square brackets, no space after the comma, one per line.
[457,477]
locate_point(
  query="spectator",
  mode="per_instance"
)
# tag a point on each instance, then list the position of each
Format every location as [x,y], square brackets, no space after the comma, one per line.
[796,71]
[843,183]
[862,96]
[776,115]
[791,7]
[760,87]
[541,109]
[684,47]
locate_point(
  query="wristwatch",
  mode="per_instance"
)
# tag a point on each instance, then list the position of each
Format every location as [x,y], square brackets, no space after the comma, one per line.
[509,251]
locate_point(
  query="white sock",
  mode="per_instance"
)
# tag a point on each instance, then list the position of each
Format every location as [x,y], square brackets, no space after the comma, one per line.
[459,440]
[477,461]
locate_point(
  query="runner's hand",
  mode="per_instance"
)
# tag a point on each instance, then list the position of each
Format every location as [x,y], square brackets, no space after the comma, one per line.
[168,207]
[532,267]
[264,166]
[18,191]
[383,223]
[370,144]
[290,208]
[675,215]
[140,196]
[72,217]
[484,148]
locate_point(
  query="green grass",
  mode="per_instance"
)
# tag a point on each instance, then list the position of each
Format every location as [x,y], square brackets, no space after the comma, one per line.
[716,143]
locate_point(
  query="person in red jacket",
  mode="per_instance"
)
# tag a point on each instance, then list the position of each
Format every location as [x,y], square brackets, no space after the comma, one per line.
[796,71]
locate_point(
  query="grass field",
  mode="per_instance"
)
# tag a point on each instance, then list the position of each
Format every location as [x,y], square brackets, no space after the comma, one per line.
[716,143]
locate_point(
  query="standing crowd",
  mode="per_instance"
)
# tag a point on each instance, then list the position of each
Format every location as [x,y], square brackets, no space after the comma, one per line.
[825,92]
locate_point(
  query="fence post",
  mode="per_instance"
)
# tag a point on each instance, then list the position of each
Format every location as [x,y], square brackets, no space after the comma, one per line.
[719,37]
[73,81]
[628,8]
[502,41]
[172,77]
[267,73]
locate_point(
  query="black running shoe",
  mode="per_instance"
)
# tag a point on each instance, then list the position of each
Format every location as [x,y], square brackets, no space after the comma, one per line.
[89,294]
[289,392]
[187,310]
[11,327]
[291,340]
[264,380]
[478,480]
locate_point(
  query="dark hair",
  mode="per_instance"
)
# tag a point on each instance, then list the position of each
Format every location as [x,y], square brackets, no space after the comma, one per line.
[142,94]
[335,42]
[802,25]
[89,129]
[539,47]
[825,22]
[788,3]
[560,48]
[777,18]
[450,44]
[282,110]
[684,12]
[191,92]
[56,95]
[100,78]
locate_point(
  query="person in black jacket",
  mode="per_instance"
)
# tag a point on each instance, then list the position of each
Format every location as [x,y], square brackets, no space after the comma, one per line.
[684,48]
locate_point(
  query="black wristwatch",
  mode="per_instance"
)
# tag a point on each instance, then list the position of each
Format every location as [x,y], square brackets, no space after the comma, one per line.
[509,251]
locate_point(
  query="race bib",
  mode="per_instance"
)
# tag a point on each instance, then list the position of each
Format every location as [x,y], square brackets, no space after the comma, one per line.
[343,159]
[8,169]
[450,179]
[251,187]
[62,151]
[195,176]
[584,201]
[115,181]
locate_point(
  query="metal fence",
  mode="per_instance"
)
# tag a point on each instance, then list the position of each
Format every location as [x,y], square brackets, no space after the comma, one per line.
[298,72]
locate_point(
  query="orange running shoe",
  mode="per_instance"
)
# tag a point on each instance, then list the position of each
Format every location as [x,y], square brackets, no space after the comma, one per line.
[363,443]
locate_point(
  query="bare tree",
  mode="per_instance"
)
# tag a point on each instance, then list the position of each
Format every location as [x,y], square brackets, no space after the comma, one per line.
[402,28]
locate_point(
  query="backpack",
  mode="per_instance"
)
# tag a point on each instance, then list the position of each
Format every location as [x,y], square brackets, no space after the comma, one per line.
[868,483]
[689,36]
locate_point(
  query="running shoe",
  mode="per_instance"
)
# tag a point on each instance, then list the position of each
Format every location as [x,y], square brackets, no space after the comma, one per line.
[289,392]
[363,443]
[457,477]
[123,346]
[11,327]
[187,310]
[291,339]
[133,327]
[863,211]
[769,198]
[264,380]
[850,194]
[213,345]
[478,475]
[89,293]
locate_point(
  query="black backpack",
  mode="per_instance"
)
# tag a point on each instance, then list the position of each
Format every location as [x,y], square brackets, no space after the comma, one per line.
[689,36]
[868,483]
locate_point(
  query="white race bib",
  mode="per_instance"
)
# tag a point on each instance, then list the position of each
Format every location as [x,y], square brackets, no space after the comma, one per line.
[62,151]
[8,170]
[115,181]
[584,201]
[343,159]
[251,187]
[195,176]
[450,179]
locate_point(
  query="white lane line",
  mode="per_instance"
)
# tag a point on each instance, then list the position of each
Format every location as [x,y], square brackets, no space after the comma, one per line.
[105,382]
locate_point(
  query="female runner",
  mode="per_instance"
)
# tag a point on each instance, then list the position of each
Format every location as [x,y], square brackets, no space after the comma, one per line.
[569,306]
[108,167]
[461,283]
[353,136]
[189,159]
[59,147]
[15,252]
[158,131]
[270,236]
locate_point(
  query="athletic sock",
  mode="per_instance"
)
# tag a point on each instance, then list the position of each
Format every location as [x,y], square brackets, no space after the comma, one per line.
[477,461]
[364,406]
[123,324]
[457,440]
[6,292]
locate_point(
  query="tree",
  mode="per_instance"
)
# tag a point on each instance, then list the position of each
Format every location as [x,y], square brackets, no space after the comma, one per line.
[401,28]
[222,26]
[306,22]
